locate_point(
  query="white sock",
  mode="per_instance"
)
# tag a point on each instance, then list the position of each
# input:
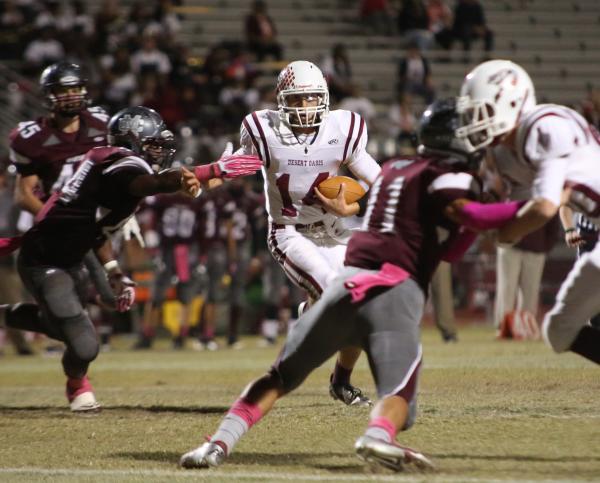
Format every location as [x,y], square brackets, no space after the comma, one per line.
[230,431]
[378,433]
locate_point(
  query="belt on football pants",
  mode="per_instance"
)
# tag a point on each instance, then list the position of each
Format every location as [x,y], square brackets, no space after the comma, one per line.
[299,227]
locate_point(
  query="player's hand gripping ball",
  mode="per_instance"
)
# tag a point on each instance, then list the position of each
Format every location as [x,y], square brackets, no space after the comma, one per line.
[330,188]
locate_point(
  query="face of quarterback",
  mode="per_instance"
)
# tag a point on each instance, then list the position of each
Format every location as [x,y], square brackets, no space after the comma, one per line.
[307,103]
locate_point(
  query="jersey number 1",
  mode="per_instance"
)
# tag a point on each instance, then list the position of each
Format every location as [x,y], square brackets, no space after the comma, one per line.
[283,185]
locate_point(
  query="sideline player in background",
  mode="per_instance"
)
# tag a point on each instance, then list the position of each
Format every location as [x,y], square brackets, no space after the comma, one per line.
[557,153]
[302,144]
[175,219]
[98,200]
[377,301]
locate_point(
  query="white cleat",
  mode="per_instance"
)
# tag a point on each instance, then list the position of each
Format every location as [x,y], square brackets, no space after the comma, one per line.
[390,455]
[85,403]
[209,455]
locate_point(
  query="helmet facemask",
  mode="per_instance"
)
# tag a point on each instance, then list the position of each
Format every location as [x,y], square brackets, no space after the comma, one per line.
[67,100]
[303,116]
[159,151]
[478,128]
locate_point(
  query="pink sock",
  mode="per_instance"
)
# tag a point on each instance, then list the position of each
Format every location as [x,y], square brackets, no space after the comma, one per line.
[250,413]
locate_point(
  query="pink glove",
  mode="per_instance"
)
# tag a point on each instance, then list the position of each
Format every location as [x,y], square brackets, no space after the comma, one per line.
[229,167]
[122,287]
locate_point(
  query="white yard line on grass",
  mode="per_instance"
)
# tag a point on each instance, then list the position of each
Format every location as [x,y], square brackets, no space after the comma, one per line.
[276,476]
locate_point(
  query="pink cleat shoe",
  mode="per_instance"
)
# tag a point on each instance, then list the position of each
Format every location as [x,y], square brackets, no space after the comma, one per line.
[81,395]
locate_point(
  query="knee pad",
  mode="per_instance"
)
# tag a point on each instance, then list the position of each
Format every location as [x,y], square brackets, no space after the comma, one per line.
[60,295]
[80,336]
[558,333]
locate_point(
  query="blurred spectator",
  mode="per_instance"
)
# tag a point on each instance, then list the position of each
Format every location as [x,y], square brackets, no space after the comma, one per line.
[470,24]
[118,81]
[261,34]
[149,59]
[12,25]
[105,21]
[414,74]
[590,108]
[376,15]
[402,123]
[82,20]
[168,18]
[336,69]
[43,51]
[440,22]
[48,15]
[357,102]
[413,23]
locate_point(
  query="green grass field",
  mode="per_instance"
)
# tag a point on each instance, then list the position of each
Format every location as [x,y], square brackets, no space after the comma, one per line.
[489,411]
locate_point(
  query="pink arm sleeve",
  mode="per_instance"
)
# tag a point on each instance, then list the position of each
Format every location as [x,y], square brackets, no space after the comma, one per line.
[459,246]
[480,216]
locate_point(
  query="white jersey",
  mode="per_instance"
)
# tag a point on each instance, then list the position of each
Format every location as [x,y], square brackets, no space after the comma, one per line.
[556,148]
[294,166]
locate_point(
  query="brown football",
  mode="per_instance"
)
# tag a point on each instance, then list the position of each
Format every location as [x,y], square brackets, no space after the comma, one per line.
[330,188]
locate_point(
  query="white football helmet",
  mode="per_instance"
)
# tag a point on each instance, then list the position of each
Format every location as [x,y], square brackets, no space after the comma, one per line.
[302,78]
[494,96]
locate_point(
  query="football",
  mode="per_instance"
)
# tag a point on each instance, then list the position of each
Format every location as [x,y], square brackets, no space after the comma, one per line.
[330,188]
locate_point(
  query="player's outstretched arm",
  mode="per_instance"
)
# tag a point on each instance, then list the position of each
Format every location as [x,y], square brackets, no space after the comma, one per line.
[167,181]
[229,166]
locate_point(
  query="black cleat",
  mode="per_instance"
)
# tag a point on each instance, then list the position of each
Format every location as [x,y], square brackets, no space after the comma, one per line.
[349,395]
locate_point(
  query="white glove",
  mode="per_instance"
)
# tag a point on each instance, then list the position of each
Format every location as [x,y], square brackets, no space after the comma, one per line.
[131,227]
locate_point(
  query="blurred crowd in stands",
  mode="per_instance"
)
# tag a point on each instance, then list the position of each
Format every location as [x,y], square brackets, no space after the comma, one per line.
[134,56]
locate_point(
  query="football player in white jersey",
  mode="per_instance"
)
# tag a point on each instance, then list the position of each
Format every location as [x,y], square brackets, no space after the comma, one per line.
[301,144]
[556,151]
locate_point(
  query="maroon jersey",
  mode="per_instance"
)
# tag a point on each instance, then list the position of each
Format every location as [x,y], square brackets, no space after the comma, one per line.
[92,205]
[215,212]
[404,222]
[243,207]
[176,218]
[39,148]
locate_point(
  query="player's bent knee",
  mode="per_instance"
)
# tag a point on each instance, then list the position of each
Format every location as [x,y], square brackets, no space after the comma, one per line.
[284,381]
[558,332]
[80,337]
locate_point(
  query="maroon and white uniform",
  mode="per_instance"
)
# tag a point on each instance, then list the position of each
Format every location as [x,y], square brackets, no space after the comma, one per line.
[307,242]
[404,226]
[557,148]
[38,148]
[176,222]
[93,205]
[216,211]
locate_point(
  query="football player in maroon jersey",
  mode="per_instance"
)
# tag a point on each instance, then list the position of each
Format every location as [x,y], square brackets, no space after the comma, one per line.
[175,219]
[416,216]
[47,151]
[98,200]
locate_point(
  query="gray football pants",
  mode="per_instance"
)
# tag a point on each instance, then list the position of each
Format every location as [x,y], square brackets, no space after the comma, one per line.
[59,313]
[385,324]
